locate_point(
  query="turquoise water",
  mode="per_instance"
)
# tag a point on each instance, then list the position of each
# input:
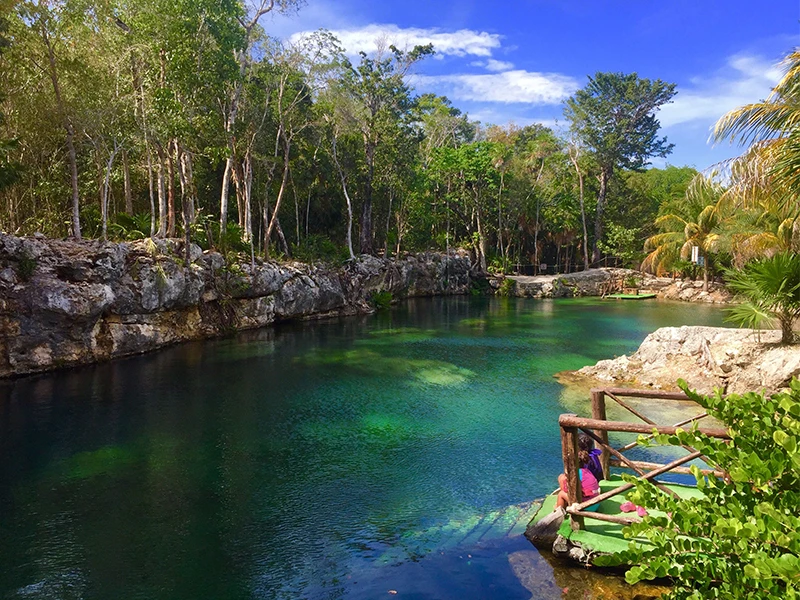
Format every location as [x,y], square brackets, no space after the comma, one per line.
[343,459]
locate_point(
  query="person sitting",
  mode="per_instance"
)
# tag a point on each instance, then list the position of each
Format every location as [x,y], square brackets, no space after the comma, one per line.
[587,443]
[589,485]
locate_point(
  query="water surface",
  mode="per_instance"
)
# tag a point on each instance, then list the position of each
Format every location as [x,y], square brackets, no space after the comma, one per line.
[340,459]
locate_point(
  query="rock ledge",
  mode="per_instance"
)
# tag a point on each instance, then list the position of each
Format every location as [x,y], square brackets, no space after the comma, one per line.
[736,360]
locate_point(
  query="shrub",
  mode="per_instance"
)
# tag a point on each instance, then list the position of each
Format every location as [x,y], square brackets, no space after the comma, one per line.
[741,539]
[770,289]
[381,300]
[506,288]
[26,265]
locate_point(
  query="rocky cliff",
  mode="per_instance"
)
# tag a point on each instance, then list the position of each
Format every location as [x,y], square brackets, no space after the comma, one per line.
[736,360]
[598,282]
[65,303]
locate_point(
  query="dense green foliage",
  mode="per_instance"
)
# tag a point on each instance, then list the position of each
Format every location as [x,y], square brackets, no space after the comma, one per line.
[747,208]
[153,118]
[614,116]
[770,290]
[741,539]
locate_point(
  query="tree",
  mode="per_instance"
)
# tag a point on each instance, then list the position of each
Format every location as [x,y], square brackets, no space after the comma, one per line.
[741,538]
[770,127]
[614,117]
[694,220]
[771,290]
[379,99]
[248,23]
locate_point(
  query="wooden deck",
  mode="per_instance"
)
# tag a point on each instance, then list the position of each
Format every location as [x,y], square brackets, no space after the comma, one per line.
[584,533]
[601,537]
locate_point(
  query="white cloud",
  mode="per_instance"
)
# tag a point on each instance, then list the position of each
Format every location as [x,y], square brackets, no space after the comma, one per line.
[464,42]
[517,86]
[743,80]
[496,66]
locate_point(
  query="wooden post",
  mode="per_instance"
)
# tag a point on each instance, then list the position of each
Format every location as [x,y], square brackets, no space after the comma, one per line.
[599,413]
[569,453]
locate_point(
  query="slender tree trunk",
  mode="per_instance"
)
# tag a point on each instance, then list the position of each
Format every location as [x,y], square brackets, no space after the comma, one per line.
[223,200]
[605,175]
[106,186]
[162,193]
[126,174]
[574,159]
[386,251]
[500,220]
[481,241]
[296,214]
[365,237]
[247,168]
[150,189]
[185,193]
[70,137]
[281,236]
[282,189]
[191,193]
[171,189]
[347,199]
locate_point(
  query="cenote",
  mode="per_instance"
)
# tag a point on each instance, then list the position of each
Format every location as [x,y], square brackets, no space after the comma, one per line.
[352,458]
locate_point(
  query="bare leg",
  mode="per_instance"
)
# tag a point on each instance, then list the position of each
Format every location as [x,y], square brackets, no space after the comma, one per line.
[562,500]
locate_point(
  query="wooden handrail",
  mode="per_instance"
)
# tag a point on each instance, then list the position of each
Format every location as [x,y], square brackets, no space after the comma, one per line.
[651,465]
[634,393]
[630,464]
[627,486]
[598,427]
[571,420]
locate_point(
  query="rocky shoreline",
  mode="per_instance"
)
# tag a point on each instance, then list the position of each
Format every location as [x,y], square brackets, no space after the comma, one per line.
[597,282]
[735,360]
[66,303]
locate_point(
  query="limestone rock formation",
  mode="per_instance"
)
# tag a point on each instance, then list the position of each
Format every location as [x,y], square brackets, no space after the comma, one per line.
[67,303]
[597,282]
[736,360]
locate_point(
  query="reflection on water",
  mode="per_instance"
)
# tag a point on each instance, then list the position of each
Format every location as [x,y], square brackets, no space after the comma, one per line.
[349,458]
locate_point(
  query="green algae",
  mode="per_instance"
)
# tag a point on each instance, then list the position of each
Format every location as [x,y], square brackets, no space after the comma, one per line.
[108,460]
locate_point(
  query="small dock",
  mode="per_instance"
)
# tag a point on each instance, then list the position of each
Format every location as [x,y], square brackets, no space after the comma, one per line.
[583,534]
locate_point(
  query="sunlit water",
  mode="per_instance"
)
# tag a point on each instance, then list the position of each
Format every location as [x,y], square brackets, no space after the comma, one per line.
[340,459]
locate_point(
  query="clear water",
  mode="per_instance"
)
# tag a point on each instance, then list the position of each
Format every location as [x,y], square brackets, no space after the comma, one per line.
[317,460]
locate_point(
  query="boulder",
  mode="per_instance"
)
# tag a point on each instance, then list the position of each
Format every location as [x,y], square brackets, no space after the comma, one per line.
[735,360]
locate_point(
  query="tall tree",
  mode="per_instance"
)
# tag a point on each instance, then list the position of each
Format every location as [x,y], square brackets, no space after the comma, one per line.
[243,55]
[614,117]
[380,98]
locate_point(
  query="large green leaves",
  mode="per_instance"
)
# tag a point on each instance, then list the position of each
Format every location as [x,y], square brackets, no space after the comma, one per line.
[741,539]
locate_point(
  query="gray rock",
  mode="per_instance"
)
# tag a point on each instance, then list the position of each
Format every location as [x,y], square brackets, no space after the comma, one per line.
[88,301]
[735,360]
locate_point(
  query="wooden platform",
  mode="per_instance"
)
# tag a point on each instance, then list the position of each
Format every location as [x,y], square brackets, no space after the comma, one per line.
[599,537]
[631,296]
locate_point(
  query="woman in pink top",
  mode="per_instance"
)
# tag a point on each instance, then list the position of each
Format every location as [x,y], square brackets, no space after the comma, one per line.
[589,485]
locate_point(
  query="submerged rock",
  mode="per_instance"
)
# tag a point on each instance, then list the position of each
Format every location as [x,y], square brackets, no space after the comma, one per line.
[65,303]
[736,360]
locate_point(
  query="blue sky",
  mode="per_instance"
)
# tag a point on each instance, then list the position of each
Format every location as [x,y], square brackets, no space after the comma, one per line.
[518,61]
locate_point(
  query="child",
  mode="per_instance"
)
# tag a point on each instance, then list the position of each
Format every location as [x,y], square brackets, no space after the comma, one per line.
[589,484]
[587,443]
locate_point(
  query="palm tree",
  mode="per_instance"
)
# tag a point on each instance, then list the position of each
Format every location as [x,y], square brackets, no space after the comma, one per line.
[771,290]
[771,129]
[694,220]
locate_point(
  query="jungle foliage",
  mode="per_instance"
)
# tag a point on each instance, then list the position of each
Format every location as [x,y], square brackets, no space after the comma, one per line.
[741,539]
[139,118]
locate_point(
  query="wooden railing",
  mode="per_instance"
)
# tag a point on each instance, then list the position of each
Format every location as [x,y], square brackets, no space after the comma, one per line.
[598,427]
